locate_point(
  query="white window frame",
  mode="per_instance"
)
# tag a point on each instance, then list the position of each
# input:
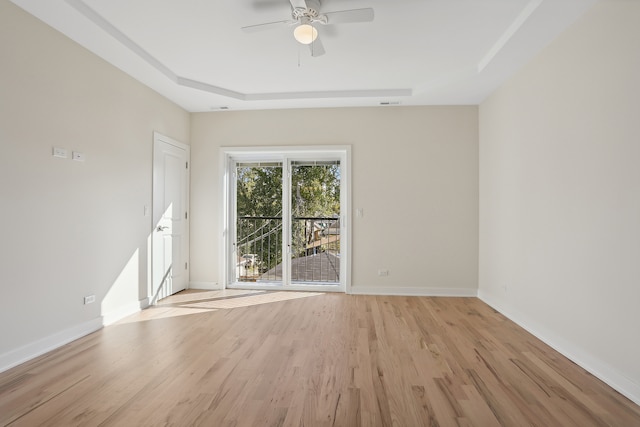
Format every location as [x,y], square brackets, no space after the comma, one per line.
[228,158]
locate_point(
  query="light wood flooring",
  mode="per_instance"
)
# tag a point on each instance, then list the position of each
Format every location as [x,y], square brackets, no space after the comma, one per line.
[250,358]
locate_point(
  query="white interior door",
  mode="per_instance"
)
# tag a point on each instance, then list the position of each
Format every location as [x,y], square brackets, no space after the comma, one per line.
[170,235]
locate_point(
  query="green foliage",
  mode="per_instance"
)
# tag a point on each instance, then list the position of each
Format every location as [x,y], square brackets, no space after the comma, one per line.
[315,191]
[259,191]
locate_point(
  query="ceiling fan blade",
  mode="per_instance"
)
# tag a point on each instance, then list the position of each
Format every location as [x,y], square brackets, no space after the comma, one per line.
[316,48]
[349,16]
[298,4]
[266,26]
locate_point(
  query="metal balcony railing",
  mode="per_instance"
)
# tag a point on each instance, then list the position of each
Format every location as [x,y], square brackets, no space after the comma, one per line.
[315,250]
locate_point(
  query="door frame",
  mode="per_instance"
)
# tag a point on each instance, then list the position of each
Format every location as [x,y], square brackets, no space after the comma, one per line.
[158,139]
[228,157]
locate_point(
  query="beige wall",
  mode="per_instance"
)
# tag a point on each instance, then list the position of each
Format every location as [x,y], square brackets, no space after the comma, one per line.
[414,173]
[70,229]
[560,194]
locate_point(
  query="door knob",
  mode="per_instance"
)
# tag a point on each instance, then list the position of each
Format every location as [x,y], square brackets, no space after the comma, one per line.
[162,227]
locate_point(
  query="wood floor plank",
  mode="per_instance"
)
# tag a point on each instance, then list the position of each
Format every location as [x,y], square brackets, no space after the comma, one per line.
[247,358]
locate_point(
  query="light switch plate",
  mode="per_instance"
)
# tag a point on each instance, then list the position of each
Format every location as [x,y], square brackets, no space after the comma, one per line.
[78,156]
[60,152]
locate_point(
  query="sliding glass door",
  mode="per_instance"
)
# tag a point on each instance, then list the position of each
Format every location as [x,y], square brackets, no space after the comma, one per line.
[286,220]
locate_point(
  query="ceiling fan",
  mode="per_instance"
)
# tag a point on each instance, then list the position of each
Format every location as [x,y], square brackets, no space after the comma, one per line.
[306,13]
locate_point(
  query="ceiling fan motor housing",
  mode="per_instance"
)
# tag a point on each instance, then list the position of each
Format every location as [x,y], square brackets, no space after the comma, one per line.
[309,14]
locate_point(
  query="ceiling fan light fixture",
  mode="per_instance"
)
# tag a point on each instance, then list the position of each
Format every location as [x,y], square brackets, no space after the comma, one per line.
[305,33]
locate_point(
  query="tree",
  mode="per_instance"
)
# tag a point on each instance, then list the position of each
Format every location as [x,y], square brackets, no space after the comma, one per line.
[259,191]
[315,190]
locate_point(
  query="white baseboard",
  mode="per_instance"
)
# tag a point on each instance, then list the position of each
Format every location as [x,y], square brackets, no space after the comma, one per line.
[37,348]
[208,286]
[414,291]
[596,367]
[144,303]
[124,311]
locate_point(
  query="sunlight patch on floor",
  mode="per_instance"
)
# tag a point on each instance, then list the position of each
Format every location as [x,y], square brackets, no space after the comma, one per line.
[250,300]
[156,312]
[196,302]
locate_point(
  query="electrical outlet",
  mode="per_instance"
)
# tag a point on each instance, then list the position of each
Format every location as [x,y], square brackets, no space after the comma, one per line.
[383,273]
[89,299]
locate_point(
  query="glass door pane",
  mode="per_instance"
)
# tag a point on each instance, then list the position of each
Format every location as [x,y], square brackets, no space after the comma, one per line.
[315,222]
[258,246]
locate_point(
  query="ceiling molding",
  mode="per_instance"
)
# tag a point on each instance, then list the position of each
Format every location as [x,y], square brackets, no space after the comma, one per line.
[330,94]
[509,32]
[206,87]
[110,29]
[107,27]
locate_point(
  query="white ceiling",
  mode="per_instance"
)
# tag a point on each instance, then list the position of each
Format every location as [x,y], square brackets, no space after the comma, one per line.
[415,52]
